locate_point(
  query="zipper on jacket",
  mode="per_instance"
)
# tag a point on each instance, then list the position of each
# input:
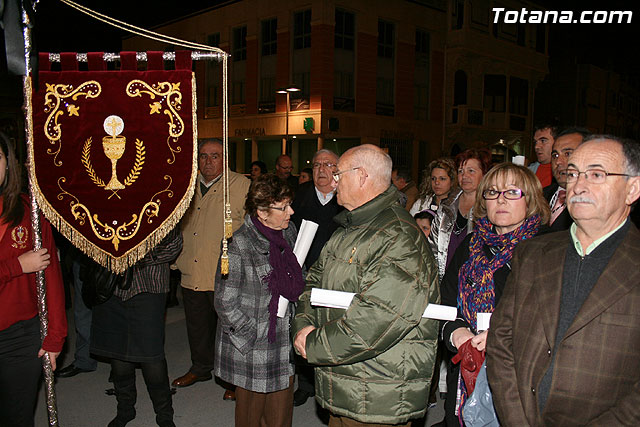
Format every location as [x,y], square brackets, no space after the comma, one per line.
[353,251]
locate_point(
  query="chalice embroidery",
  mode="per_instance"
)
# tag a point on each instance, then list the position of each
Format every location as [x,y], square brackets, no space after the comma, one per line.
[113,145]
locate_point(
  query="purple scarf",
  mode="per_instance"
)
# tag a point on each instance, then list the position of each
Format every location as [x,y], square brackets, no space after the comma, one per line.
[285,277]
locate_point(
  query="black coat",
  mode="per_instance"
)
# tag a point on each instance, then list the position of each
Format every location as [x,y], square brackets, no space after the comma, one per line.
[449,296]
[564,220]
[307,206]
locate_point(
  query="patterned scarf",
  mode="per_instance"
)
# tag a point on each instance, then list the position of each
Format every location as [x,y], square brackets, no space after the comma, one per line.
[285,277]
[476,292]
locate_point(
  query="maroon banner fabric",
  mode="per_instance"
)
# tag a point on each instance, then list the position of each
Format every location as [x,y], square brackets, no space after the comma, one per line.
[114,157]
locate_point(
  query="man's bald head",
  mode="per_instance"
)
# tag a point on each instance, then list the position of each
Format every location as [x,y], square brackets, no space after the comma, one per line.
[364,172]
[375,161]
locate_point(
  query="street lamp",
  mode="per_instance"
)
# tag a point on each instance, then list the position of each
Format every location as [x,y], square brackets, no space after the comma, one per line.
[287,91]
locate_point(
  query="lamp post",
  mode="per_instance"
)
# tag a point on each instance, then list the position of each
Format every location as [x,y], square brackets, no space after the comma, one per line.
[287,91]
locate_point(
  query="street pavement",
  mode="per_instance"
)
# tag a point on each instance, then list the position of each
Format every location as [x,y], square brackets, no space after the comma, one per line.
[82,401]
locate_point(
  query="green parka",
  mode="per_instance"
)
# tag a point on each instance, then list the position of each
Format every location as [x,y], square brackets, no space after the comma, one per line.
[375,359]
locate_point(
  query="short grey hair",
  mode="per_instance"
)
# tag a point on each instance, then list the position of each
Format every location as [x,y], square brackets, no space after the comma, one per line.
[376,162]
[324,151]
[203,141]
[630,151]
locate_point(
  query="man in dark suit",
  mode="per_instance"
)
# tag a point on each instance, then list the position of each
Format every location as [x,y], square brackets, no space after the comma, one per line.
[564,341]
[565,143]
[315,201]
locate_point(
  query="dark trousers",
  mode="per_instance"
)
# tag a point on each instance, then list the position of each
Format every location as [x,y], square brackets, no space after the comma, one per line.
[201,321]
[306,376]
[20,371]
[273,409]
[156,379]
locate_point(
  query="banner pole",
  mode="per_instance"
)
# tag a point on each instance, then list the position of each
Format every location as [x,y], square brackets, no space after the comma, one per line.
[35,222]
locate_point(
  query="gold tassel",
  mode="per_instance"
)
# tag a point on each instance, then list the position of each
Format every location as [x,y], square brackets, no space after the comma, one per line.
[228,230]
[224,263]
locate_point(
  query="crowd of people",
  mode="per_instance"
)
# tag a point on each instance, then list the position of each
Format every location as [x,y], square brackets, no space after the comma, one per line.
[538,262]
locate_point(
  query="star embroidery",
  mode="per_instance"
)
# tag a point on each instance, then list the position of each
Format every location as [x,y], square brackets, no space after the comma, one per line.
[155,107]
[176,86]
[73,110]
[50,87]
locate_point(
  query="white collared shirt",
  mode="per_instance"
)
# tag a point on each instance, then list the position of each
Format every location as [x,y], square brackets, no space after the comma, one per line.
[324,198]
[210,183]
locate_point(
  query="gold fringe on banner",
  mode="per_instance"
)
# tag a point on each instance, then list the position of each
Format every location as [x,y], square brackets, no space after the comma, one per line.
[121,263]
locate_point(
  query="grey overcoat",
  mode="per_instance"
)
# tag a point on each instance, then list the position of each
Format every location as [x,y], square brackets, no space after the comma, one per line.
[244,356]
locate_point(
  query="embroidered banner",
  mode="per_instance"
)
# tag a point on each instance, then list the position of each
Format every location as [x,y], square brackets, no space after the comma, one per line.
[114,153]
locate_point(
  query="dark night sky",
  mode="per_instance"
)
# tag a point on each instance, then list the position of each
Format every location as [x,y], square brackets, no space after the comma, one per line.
[61,28]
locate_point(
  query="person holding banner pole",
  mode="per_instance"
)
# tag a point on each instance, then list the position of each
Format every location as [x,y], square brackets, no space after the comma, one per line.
[509,208]
[20,343]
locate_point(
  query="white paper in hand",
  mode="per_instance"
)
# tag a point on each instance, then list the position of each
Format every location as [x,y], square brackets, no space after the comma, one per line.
[339,299]
[305,237]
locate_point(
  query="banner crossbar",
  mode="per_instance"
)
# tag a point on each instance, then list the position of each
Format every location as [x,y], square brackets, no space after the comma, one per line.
[142,56]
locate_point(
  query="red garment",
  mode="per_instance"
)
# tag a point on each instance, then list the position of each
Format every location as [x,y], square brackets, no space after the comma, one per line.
[18,295]
[470,360]
[544,174]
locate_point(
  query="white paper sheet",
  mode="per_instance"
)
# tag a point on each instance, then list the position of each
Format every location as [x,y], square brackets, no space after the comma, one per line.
[483,320]
[303,243]
[518,160]
[339,299]
[305,237]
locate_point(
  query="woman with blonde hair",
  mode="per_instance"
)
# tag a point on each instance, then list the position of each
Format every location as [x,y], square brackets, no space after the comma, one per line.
[439,180]
[509,208]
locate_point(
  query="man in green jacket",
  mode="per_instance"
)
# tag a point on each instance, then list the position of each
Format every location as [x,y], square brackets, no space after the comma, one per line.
[375,359]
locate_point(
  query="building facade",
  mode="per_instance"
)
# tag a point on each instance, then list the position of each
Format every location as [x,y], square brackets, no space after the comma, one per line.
[493,70]
[601,100]
[420,78]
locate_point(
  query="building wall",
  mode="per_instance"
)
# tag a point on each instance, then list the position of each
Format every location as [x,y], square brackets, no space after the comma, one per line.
[479,47]
[410,141]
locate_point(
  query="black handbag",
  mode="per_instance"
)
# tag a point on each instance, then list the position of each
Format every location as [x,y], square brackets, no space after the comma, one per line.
[98,283]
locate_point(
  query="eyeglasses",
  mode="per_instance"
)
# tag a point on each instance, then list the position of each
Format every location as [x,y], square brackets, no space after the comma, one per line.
[336,175]
[318,165]
[594,176]
[511,194]
[281,209]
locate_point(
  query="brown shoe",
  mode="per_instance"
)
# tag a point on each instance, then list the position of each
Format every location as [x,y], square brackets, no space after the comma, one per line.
[189,379]
[229,395]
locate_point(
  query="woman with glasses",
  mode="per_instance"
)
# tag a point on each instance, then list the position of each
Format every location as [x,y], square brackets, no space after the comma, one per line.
[253,344]
[454,219]
[439,180]
[509,208]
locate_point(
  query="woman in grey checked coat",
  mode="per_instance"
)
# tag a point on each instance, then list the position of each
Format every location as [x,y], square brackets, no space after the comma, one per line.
[253,345]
